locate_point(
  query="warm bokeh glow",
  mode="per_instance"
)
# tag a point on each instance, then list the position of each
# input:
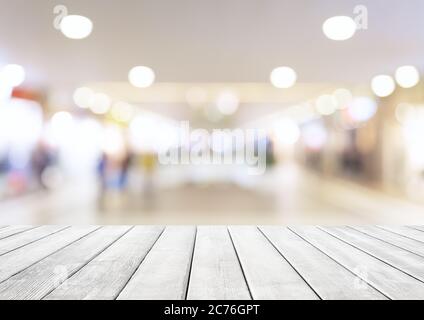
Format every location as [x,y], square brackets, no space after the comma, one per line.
[326,104]
[141,77]
[383,85]
[407,76]
[339,28]
[76,27]
[283,77]
[83,97]
[227,102]
[12,75]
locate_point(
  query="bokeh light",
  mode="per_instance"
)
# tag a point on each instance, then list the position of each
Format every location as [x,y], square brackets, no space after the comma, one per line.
[76,27]
[326,104]
[339,28]
[362,109]
[12,75]
[407,76]
[83,97]
[286,131]
[283,77]
[141,77]
[101,103]
[342,97]
[122,111]
[314,135]
[227,102]
[383,85]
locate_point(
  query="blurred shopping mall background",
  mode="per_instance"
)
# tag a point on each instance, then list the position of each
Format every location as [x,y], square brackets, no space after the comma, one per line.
[81,128]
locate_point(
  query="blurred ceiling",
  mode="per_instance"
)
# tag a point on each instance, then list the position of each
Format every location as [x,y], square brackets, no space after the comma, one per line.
[209,41]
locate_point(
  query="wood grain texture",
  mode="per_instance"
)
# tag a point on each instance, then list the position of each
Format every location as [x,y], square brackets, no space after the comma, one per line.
[164,274]
[211,262]
[11,230]
[420,228]
[390,281]
[395,239]
[40,279]
[407,232]
[328,278]
[268,274]
[24,238]
[216,271]
[105,276]
[17,260]
[406,261]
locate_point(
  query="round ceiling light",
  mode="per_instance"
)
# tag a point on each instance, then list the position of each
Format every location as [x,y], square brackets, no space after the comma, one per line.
[12,75]
[407,76]
[76,27]
[141,76]
[83,97]
[283,77]
[227,102]
[383,85]
[339,28]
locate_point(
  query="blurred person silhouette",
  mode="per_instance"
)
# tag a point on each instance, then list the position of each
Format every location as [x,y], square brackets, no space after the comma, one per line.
[148,164]
[270,153]
[125,166]
[103,175]
[112,171]
[101,172]
[41,158]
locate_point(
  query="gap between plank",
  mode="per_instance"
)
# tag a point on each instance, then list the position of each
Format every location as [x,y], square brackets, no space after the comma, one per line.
[392,244]
[191,265]
[19,232]
[240,264]
[138,267]
[32,241]
[335,260]
[370,254]
[88,261]
[51,253]
[281,254]
[399,234]
[412,227]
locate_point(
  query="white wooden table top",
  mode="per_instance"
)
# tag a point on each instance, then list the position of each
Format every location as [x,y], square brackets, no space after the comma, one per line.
[211,262]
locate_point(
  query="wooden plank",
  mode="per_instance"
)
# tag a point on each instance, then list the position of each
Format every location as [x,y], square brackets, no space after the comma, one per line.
[106,275]
[12,230]
[21,239]
[15,261]
[406,232]
[390,281]
[329,279]
[216,273]
[40,279]
[165,272]
[268,274]
[395,239]
[406,261]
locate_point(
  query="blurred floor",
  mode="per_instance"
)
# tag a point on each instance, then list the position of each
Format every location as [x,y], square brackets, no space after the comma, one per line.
[286,195]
